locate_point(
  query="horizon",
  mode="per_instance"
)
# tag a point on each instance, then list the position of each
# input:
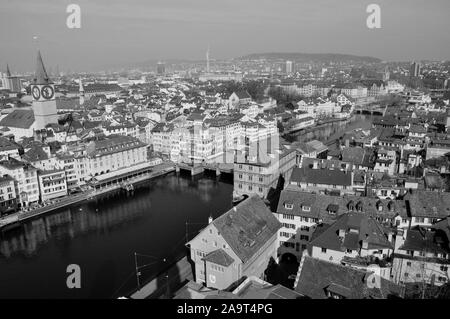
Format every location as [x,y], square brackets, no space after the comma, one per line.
[118,35]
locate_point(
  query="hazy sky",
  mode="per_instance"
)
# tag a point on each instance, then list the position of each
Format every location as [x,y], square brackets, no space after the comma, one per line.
[127,31]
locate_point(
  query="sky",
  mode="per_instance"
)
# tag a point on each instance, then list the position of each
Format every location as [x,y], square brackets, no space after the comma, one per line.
[123,32]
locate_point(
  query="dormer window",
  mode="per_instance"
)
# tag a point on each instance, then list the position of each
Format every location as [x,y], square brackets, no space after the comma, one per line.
[288,205]
[306,208]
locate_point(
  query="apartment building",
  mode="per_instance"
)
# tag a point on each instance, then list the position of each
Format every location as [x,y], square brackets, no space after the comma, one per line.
[257,173]
[26,181]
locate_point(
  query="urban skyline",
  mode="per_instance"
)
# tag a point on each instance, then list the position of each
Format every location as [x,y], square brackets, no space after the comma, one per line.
[159,30]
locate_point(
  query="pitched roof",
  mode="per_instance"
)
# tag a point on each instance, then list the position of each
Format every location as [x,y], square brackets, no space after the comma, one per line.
[247,227]
[36,153]
[358,227]
[7,145]
[19,119]
[41,76]
[243,95]
[428,204]
[321,176]
[320,205]
[429,240]
[317,277]
[219,257]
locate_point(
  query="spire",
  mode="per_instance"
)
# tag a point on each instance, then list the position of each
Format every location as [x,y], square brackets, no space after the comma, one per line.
[41,76]
[8,72]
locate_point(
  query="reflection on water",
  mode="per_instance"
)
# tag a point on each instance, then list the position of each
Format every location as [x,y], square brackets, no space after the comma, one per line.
[334,130]
[102,235]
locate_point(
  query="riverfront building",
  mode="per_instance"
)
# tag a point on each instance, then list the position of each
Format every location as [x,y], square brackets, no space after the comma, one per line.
[238,243]
[26,181]
[8,201]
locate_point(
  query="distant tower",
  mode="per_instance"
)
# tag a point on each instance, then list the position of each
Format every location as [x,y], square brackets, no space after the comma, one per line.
[160,68]
[43,91]
[414,70]
[81,92]
[207,60]
[289,67]
[386,74]
[10,82]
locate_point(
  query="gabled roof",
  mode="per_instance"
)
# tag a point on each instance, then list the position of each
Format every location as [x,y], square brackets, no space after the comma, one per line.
[247,227]
[317,277]
[219,257]
[19,119]
[358,227]
[36,153]
[243,95]
[321,176]
[424,240]
[428,204]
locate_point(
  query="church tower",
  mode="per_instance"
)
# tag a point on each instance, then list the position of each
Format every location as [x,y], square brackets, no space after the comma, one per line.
[43,92]
[81,92]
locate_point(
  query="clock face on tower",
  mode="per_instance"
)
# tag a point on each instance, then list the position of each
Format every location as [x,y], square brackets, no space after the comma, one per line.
[36,92]
[47,92]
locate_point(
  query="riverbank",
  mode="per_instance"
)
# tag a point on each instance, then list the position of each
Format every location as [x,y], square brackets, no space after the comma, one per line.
[16,218]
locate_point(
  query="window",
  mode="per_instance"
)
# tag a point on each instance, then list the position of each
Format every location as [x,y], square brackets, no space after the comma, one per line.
[324,250]
[288,205]
[406,275]
[418,276]
[408,264]
[291,217]
[304,228]
[349,251]
[444,268]
[306,208]
[304,237]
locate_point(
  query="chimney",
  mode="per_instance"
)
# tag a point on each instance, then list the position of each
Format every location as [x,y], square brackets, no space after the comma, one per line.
[315,165]
[210,219]
[365,244]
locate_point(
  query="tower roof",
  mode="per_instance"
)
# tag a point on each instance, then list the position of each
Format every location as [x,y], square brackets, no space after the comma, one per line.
[8,72]
[41,76]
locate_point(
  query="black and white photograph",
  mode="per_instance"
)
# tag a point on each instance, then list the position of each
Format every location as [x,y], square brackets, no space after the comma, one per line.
[224,155]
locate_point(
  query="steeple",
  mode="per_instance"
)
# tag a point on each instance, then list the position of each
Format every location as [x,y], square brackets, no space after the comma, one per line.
[41,76]
[8,72]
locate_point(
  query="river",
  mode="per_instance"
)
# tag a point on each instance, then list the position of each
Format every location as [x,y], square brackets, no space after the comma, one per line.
[102,235]
[334,130]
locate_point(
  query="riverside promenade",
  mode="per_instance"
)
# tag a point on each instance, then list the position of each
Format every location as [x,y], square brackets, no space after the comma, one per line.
[157,170]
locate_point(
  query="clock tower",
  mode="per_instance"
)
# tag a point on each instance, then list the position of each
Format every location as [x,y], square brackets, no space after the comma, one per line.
[43,92]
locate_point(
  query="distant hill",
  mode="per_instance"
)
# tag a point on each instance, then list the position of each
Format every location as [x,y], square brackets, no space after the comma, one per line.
[317,57]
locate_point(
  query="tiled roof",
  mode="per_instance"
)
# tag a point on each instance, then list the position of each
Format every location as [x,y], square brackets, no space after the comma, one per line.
[247,227]
[243,95]
[36,153]
[428,204]
[318,276]
[112,144]
[359,227]
[424,240]
[219,257]
[7,145]
[321,176]
[319,205]
[18,118]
